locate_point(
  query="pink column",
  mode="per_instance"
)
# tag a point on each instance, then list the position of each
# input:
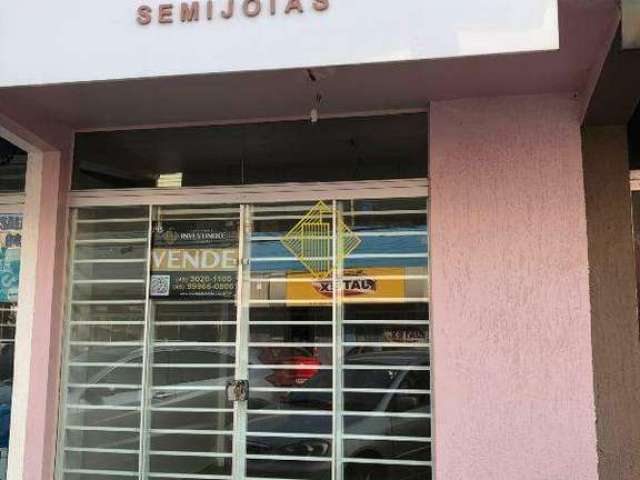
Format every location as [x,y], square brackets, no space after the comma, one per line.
[513,377]
[34,411]
[39,325]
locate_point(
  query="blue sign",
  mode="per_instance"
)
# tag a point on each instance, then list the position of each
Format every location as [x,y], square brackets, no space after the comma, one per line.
[10,245]
[5,424]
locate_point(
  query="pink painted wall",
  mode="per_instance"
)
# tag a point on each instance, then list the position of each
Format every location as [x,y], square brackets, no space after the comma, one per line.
[35,410]
[513,379]
[41,432]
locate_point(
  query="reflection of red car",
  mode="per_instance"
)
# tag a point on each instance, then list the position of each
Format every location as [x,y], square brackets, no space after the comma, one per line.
[300,369]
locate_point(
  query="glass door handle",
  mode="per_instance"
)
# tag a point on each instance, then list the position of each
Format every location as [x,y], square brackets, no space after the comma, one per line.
[238,391]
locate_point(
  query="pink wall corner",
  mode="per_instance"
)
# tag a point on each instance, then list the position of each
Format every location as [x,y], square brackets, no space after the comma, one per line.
[513,376]
[59,221]
[41,430]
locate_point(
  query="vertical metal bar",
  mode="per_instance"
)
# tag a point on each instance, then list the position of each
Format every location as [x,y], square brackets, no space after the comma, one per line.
[430,331]
[242,342]
[147,352]
[66,328]
[337,307]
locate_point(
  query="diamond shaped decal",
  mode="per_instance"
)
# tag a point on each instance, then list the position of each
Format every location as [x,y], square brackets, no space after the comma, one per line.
[311,240]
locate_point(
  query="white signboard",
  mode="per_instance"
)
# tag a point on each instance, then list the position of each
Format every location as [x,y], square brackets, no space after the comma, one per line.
[46,41]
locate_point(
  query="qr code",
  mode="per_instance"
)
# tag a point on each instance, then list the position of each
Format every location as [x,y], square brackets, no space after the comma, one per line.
[160,285]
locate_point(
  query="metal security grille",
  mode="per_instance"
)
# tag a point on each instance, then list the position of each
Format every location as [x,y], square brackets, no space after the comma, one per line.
[338,365]
[105,348]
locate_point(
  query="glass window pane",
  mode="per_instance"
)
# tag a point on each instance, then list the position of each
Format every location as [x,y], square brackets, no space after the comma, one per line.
[347,149]
[332,330]
[193,323]
[104,363]
[386,333]
[13,167]
[299,469]
[290,423]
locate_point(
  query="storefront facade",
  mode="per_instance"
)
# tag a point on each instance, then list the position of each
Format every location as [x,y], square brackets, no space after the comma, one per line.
[261,240]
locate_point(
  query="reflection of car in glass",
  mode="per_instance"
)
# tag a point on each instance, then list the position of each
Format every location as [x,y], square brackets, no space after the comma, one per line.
[308,367]
[190,390]
[194,376]
[405,401]
[297,443]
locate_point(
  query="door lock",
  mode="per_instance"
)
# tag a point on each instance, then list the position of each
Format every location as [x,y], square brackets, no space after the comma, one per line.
[238,391]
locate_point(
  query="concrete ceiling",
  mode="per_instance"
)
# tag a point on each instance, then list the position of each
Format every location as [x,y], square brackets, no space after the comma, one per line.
[585,27]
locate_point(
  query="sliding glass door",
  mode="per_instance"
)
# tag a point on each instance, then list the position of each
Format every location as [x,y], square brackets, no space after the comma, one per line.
[245,341]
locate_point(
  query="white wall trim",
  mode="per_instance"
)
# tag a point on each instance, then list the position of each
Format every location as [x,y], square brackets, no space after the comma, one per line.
[8,209]
[12,203]
[282,192]
[12,199]
[634,180]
